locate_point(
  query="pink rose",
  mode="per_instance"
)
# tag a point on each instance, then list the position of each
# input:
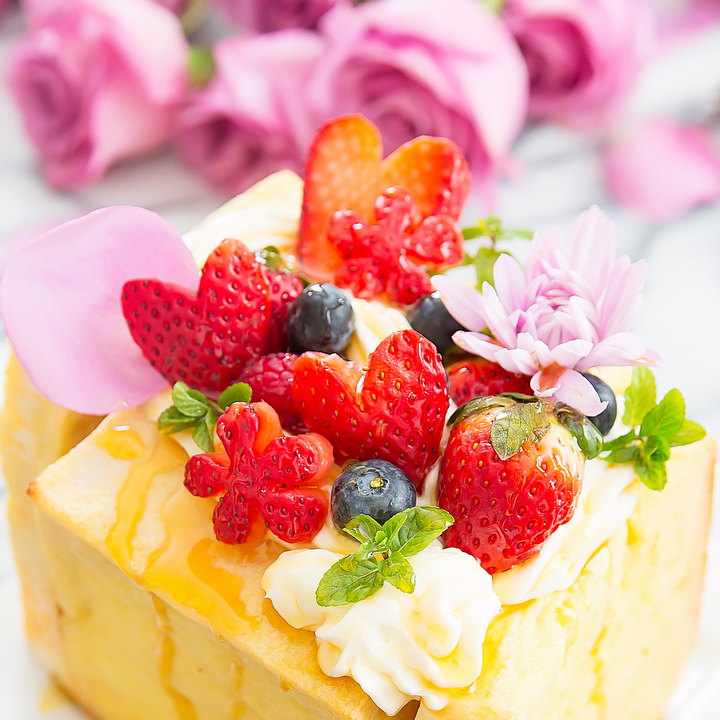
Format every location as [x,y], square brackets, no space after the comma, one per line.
[663,169]
[251,119]
[583,55]
[97,81]
[423,67]
[176,6]
[269,15]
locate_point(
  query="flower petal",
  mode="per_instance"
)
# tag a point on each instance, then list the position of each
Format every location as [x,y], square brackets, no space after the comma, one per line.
[576,391]
[461,301]
[663,169]
[60,300]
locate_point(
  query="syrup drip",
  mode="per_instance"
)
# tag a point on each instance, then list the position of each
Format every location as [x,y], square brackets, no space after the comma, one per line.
[185,709]
[131,501]
[223,582]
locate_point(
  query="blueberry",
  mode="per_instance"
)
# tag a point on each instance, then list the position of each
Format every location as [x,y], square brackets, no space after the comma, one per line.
[431,319]
[375,487]
[606,419]
[321,319]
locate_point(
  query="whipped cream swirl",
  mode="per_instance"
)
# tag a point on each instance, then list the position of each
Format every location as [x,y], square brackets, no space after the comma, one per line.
[396,646]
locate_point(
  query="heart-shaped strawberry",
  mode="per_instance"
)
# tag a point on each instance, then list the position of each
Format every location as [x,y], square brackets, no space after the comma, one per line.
[398,414]
[203,338]
[344,172]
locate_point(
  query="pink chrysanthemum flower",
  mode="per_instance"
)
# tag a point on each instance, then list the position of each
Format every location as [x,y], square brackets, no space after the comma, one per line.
[568,310]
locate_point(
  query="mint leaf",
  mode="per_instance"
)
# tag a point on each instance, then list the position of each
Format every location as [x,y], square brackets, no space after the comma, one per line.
[398,572]
[639,397]
[382,556]
[351,579]
[666,418]
[363,528]
[189,402]
[412,530]
[203,439]
[653,475]
[655,429]
[239,392]
[689,433]
[172,421]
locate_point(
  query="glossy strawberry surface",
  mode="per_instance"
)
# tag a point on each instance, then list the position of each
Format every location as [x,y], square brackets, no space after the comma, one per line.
[345,171]
[203,338]
[505,510]
[389,258]
[476,377]
[264,477]
[398,414]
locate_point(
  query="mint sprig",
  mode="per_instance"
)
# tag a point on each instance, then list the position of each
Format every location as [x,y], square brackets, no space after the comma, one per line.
[655,428]
[382,555]
[192,410]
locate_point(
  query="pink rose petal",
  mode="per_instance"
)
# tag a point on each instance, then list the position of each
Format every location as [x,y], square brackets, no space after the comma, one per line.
[60,303]
[663,169]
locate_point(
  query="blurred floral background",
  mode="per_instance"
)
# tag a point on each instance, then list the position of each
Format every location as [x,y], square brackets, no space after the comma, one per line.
[176,105]
[238,87]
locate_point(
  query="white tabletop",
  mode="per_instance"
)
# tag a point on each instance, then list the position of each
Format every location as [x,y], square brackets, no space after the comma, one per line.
[680,318]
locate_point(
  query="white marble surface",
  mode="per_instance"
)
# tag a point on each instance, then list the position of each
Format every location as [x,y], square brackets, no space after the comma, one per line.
[680,318]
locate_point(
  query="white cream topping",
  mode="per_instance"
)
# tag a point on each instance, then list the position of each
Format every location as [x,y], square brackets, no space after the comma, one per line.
[374,321]
[397,646]
[607,499]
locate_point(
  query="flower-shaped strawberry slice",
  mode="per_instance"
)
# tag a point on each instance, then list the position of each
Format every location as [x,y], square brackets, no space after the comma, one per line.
[203,338]
[397,415]
[390,256]
[265,477]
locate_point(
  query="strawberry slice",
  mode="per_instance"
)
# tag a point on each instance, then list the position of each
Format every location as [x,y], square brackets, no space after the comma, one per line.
[388,257]
[270,479]
[434,170]
[341,174]
[344,172]
[399,413]
[203,338]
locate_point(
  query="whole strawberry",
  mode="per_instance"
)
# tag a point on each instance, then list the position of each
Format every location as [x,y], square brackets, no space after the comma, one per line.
[476,377]
[511,474]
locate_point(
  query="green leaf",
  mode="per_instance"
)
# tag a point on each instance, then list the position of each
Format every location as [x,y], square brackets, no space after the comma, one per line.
[399,573]
[666,418]
[363,528]
[204,433]
[189,402]
[639,397]
[475,406]
[239,392]
[171,421]
[414,529]
[201,66]
[653,475]
[271,257]
[354,578]
[689,433]
[589,438]
[484,264]
[514,425]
